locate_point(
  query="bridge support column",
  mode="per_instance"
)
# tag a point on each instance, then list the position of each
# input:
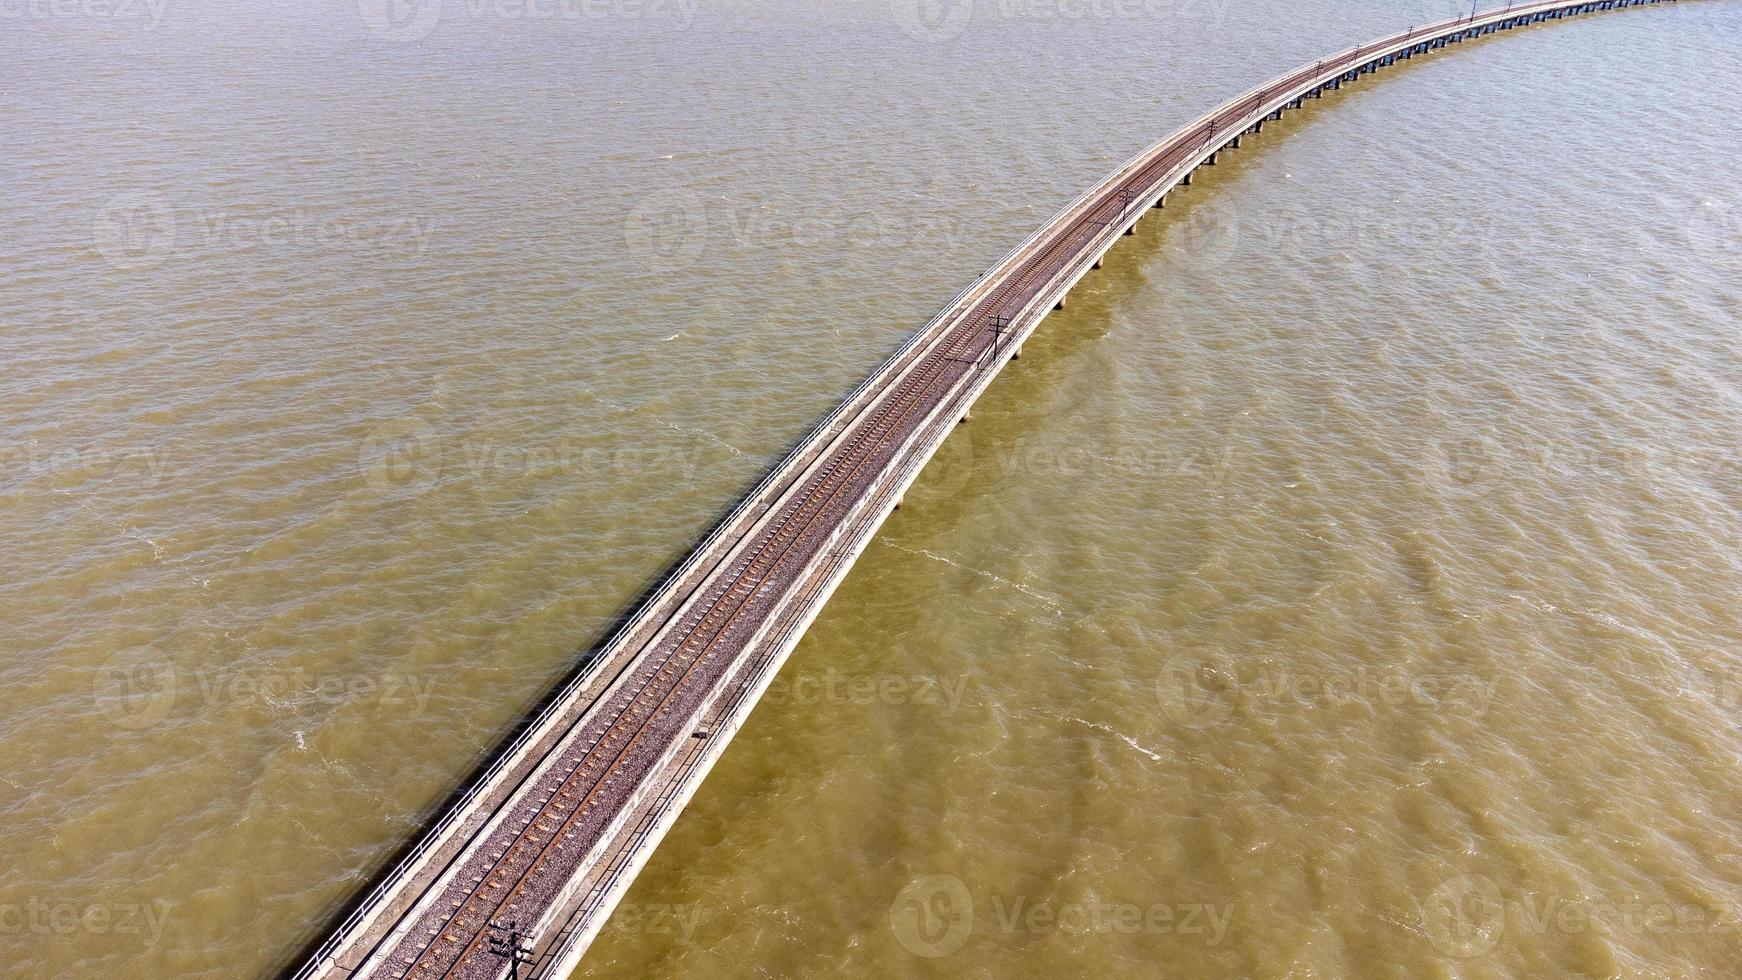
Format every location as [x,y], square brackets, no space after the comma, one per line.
[1186,180]
[1060,304]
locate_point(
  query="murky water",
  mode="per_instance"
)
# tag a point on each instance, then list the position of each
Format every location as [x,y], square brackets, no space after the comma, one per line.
[1345,585]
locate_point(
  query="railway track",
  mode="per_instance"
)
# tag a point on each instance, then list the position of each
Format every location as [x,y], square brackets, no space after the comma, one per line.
[518,863]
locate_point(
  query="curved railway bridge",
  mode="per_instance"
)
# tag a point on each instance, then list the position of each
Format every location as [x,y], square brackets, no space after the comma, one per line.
[537,851]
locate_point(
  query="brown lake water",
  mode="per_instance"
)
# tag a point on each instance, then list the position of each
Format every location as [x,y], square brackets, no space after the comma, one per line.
[1348,584]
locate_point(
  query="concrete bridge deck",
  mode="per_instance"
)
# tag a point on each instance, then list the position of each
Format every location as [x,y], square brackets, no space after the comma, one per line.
[552,833]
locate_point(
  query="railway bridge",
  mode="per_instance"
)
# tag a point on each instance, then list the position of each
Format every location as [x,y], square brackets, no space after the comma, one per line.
[534,854]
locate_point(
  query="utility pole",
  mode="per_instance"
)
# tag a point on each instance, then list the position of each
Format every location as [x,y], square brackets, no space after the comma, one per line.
[514,948]
[1000,323]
